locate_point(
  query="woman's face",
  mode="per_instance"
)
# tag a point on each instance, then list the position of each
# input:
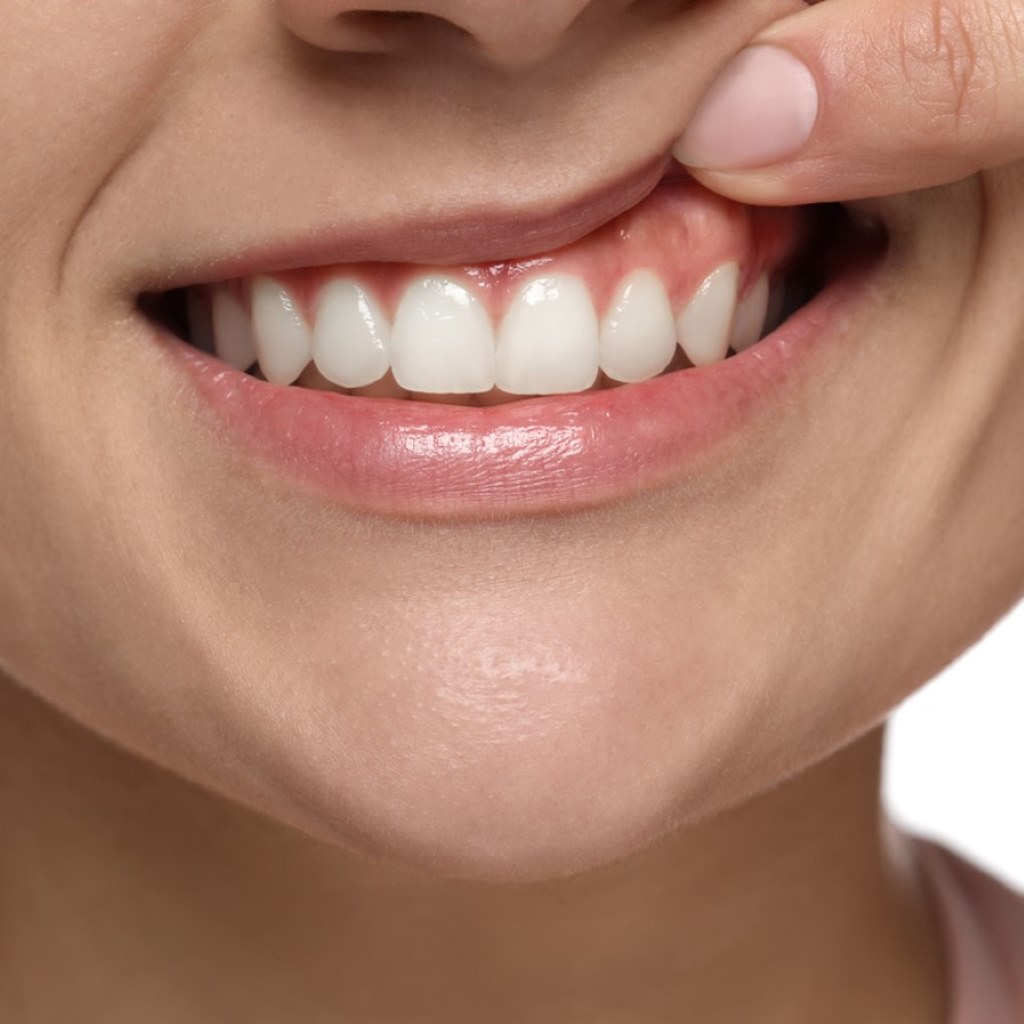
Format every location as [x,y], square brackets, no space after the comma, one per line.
[508,642]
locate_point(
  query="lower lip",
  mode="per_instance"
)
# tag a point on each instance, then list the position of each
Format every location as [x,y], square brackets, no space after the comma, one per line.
[530,457]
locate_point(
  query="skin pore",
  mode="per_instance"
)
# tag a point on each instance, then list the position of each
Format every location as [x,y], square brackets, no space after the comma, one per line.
[613,765]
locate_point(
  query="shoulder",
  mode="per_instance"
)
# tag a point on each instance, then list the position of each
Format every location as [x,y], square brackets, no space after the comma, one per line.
[983,923]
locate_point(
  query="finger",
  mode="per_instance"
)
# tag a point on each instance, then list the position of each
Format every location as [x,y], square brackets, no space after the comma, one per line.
[855,98]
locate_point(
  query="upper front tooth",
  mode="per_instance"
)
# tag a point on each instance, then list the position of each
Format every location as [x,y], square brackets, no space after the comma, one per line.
[705,325]
[638,334]
[748,326]
[232,331]
[282,336]
[443,341]
[351,337]
[548,341]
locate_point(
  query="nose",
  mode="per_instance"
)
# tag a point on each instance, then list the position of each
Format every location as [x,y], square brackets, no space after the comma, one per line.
[509,33]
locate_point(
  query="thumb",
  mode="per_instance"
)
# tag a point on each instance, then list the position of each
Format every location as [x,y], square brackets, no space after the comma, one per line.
[855,98]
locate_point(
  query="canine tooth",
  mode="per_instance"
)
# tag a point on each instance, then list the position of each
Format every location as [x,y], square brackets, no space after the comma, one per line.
[548,341]
[232,331]
[748,325]
[705,324]
[351,336]
[442,341]
[638,333]
[283,339]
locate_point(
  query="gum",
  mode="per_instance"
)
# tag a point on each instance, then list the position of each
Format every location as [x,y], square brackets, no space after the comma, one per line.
[681,232]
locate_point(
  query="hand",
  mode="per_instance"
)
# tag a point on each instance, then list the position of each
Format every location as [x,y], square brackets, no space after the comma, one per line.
[854,98]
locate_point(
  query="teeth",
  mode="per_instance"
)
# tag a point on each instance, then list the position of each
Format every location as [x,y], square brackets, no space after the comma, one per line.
[706,323]
[443,341]
[638,334]
[282,336]
[442,345]
[548,341]
[232,331]
[351,337]
[748,325]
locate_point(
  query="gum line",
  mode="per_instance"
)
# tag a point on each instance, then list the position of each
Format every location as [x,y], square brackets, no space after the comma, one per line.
[681,232]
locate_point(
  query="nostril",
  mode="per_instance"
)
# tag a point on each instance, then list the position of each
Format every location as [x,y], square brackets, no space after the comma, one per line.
[392,26]
[382,19]
[365,28]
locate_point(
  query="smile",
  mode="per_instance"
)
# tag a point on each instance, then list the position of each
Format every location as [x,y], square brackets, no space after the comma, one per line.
[564,379]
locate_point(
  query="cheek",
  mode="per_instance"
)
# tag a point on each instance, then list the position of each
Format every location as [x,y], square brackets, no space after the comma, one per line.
[80,105]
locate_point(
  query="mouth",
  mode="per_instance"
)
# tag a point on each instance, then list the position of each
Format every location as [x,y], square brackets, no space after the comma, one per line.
[558,380]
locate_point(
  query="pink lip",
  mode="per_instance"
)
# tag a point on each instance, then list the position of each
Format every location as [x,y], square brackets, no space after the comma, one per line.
[462,233]
[535,456]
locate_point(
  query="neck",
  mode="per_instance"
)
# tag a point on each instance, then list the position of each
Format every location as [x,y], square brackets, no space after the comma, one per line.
[134,889]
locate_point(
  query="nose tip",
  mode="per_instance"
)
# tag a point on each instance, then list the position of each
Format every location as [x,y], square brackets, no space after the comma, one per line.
[508,33]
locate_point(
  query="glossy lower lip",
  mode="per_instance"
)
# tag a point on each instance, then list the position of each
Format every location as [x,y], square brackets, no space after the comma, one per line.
[536,456]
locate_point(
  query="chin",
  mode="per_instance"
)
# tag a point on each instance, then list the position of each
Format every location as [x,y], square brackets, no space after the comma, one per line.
[499,760]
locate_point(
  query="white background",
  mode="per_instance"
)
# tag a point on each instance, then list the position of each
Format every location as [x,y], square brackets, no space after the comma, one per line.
[955,754]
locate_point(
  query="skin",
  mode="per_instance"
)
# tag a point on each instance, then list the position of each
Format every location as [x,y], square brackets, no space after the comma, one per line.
[278,753]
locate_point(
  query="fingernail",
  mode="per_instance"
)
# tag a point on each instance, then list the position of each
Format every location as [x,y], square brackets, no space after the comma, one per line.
[760,110]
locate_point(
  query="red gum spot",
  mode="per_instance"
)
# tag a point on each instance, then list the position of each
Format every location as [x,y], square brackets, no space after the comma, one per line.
[681,231]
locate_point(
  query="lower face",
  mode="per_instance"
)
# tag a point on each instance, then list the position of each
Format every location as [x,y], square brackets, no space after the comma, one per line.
[510,611]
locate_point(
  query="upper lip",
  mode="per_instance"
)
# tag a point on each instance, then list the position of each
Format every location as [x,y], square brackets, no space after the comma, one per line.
[470,233]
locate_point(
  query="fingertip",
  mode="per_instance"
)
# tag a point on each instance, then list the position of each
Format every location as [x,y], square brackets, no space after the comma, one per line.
[761,109]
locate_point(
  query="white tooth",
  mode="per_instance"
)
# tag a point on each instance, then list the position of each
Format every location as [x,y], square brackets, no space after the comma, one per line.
[548,341]
[706,323]
[282,336]
[232,331]
[200,327]
[351,337]
[748,326]
[442,342]
[638,333]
